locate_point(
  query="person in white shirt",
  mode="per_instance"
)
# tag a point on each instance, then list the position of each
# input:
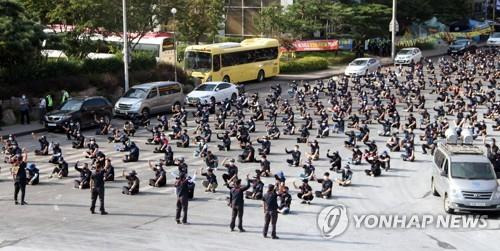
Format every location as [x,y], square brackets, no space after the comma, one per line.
[42,108]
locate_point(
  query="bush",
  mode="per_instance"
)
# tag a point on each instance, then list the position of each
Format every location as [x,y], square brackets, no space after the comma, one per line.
[304,65]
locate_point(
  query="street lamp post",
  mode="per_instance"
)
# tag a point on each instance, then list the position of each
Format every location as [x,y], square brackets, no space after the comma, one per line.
[125,45]
[173,11]
[393,30]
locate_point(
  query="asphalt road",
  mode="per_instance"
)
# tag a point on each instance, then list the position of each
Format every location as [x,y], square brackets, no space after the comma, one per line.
[58,217]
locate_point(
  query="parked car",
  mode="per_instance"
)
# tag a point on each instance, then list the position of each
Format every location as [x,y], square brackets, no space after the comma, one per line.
[149,98]
[465,178]
[460,46]
[494,39]
[217,91]
[362,66]
[408,56]
[83,110]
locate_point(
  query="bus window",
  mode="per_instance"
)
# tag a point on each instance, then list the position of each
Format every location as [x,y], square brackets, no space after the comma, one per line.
[198,61]
[216,63]
[167,45]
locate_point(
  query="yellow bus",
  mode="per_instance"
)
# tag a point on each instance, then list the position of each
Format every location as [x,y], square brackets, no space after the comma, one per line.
[252,59]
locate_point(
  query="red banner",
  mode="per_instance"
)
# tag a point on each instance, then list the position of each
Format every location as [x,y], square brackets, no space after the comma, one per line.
[316,45]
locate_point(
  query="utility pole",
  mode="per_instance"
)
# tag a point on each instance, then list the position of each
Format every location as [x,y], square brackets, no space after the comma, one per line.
[174,11]
[125,44]
[393,30]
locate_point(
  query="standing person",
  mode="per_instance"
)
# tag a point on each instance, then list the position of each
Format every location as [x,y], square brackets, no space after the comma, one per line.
[18,172]
[64,96]
[97,189]
[270,201]
[24,109]
[42,109]
[237,203]
[181,189]
[50,103]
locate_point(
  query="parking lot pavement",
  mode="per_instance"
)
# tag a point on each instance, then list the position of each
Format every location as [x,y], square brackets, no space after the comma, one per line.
[58,217]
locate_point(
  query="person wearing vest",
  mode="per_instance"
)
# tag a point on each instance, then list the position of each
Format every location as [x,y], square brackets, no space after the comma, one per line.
[50,103]
[64,97]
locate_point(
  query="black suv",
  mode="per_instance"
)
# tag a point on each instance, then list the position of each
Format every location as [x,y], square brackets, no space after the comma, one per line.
[462,45]
[83,110]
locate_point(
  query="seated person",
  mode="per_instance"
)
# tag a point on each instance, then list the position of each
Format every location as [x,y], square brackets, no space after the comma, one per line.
[211,160]
[133,155]
[109,171]
[210,183]
[56,153]
[335,160]
[346,178]
[132,187]
[393,143]
[92,149]
[257,189]
[184,140]
[375,170]
[61,170]
[33,174]
[357,156]
[266,145]
[306,192]
[44,145]
[169,157]
[309,170]
[295,156]
[304,134]
[160,179]
[163,144]
[85,173]
[314,153]
[285,201]
[248,154]
[326,187]
[79,142]
[129,128]
[265,166]
[226,142]
[409,152]
[385,160]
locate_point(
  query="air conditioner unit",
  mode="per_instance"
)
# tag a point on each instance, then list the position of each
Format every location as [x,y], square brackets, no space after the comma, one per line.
[451,136]
[467,138]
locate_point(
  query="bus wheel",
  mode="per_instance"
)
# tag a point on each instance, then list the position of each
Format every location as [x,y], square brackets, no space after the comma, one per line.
[261,76]
[226,79]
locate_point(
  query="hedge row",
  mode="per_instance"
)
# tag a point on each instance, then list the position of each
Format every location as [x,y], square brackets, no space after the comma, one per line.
[304,65]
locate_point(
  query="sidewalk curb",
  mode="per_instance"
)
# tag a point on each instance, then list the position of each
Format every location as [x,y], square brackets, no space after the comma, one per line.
[303,76]
[20,134]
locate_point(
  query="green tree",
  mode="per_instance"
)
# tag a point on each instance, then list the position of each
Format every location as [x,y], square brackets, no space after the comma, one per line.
[20,38]
[195,19]
[271,21]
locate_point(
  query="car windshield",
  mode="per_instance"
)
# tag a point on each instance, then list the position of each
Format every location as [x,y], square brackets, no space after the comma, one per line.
[404,52]
[72,105]
[198,61]
[459,42]
[359,62]
[205,87]
[472,171]
[135,93]
[495,35]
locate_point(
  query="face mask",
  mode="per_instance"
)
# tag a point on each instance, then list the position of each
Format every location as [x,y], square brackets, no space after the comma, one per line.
[23,97]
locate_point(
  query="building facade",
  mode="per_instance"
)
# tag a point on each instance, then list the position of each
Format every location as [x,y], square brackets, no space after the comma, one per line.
[240,15]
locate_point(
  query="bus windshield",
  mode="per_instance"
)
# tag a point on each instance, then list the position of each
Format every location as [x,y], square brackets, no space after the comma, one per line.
[198,61]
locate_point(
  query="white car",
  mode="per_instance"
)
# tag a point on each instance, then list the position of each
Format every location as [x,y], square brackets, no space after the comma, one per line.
[494,39]
[408,56]
[362,66]
[208,91]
